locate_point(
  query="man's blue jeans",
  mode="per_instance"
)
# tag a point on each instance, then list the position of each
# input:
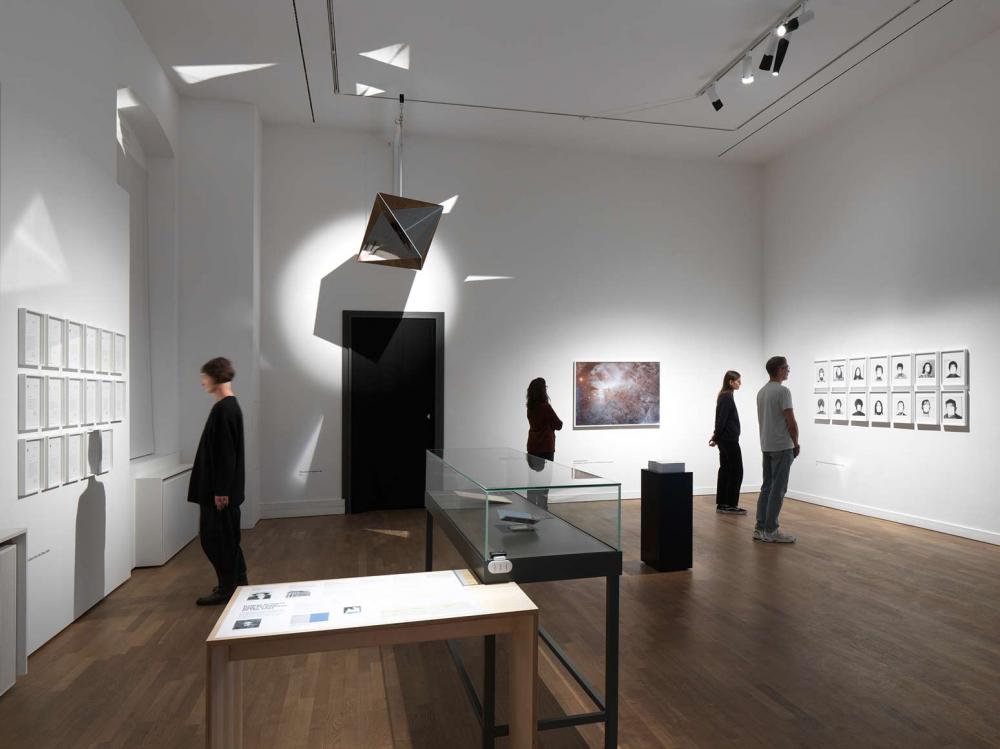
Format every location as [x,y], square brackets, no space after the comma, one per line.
[777,466]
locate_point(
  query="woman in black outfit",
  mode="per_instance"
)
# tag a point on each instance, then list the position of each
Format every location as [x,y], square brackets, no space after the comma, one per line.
[542,427]
[727,438]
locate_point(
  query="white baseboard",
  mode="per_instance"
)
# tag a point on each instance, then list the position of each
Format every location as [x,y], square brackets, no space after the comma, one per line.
[941,526]
[302,508]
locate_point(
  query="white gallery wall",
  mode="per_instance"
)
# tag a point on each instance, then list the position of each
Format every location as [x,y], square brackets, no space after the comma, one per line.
[64,250]
[882,236]
[612,258]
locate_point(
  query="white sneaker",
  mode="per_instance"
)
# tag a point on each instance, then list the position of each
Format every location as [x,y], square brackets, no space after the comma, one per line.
[777,537]
[758,534]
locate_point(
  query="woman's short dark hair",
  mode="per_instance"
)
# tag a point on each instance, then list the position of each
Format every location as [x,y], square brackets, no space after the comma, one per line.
[538,394]
[774,364]
[220,369]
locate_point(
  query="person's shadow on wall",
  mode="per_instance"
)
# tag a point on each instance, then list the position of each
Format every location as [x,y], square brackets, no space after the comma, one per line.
[91,534]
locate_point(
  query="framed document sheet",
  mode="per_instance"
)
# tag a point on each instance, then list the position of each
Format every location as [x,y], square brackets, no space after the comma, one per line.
[119,365]
[55,337]
[74,346]
[55,402]
[107,352]
[120,410]
[90,402]
[74,402]
[90,346]
[30,399]
[29,338]
[55,461]
[76,453]
[107,450]
[29,466]
[106,402]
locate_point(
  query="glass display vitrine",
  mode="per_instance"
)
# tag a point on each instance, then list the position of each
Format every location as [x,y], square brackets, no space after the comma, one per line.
[515,517]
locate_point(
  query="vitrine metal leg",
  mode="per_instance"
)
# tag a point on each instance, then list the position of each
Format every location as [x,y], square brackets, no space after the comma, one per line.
[429,544]
[611,663]
[489,691]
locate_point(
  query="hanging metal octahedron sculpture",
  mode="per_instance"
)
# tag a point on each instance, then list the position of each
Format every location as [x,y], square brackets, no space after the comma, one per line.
[399,231]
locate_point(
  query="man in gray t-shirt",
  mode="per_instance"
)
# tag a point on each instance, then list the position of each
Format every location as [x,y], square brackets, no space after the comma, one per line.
[779,442]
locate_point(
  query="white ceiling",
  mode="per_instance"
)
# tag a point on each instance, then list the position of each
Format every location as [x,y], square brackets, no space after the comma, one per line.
[563,57]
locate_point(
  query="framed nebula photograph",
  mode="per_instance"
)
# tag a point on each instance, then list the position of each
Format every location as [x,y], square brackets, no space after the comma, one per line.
[821,376]
[838,374]
[857,373]
[838,406]
[857,405]
[878,408]
[954,408]
[616,394]
[954,368]
[925,408]
[901,371]
[925,370]
[878,372]
[901,405]
[821,412]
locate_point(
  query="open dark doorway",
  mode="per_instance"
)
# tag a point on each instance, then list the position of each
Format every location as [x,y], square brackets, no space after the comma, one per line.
[393,406]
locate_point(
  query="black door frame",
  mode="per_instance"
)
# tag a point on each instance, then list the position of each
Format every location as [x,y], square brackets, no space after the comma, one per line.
[349,317]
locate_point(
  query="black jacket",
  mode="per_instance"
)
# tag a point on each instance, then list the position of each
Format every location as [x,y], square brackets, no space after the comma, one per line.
[219,469]
[727,419]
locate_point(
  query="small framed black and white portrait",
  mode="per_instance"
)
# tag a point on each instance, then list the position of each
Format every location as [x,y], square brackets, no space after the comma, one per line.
[901,371]
[878,408]
[925,367]
[878,372]
[822,411]
[821,376]
[857,370]
[955,368]
[858,407]
[838,406]
[954,408]
[838,374]
[901,405]
[925,408]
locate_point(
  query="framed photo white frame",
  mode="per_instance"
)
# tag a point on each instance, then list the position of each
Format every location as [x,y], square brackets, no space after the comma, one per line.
[74,402]
[55,342]
[106,352]
[91,445]
[55,461]
[857,407]
[901,371]
[926,370]
[120,409]
[55,402]
[106,402]
[955,369]
[901,402]
[107,451]
[76,454]
[74,346]
[879,407]
[90,401]
[120,363]
[838,375]
[30,338]
[857,373]
[821,406]
[821,376]
[957,415]
[926,408]
[837,406]
[30,468]
[90,348]
[878,373]
[30,402]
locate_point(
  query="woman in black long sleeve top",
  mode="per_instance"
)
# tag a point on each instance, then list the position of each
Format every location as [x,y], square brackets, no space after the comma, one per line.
[727,438]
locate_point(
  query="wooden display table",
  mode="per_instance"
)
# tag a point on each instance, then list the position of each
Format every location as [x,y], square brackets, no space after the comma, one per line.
[265,621]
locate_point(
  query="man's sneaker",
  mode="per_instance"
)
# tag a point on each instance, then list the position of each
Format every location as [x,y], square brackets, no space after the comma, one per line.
[777,537]
[730,510]
[216,598]
[758,534]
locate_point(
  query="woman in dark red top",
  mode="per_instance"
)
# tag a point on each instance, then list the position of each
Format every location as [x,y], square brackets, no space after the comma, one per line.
[542,421]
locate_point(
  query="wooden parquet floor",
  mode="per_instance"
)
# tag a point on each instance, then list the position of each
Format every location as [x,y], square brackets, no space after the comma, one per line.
[864,634]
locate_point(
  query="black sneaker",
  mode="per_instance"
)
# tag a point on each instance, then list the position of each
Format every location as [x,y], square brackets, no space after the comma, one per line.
[216,598]
[730,510]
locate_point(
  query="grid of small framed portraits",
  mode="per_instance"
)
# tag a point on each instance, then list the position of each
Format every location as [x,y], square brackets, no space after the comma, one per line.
[928,389]
[71,391]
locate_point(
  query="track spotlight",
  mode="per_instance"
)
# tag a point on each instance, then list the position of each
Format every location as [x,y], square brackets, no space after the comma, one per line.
[713,96]
[805,15]
[779,57]
[746,77]
[768,59]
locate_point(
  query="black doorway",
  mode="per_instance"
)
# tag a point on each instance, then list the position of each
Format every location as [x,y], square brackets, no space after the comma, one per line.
[393,406]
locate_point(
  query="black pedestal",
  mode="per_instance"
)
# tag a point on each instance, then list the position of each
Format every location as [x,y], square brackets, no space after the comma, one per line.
[667,520]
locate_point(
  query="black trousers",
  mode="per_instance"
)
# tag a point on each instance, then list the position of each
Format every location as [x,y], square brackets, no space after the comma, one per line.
[730,474]
[219,531]
[539,498]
